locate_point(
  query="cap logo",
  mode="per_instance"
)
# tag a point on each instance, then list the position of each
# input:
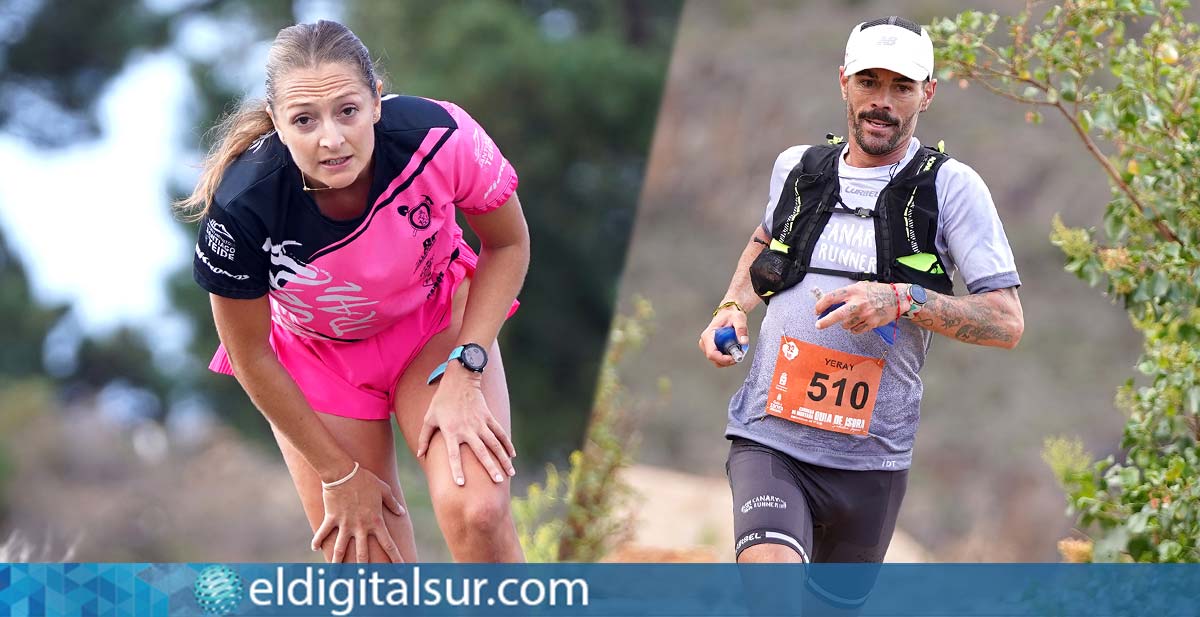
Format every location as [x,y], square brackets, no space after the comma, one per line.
[887,40]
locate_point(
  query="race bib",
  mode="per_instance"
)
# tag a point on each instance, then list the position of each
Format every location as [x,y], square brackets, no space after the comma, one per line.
[823,388]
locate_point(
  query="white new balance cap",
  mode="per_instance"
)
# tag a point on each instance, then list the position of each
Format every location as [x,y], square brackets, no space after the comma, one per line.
[891,43]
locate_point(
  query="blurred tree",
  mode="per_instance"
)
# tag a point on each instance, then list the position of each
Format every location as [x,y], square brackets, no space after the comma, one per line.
[1123,74]
[56,57]
[26,324]
[569,90]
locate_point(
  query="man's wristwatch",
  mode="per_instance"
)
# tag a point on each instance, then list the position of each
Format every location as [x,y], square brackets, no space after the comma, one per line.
[916,299]
[472,356]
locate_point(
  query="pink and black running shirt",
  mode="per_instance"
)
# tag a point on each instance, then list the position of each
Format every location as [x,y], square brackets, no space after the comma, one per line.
[348,280]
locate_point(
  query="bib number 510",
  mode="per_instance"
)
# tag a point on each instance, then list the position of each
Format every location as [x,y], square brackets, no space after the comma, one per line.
[859,391]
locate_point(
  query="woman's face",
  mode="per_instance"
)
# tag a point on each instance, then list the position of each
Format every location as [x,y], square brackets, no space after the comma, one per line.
[325,117]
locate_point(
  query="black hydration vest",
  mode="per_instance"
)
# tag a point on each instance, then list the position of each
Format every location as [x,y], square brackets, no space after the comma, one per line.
[906,217]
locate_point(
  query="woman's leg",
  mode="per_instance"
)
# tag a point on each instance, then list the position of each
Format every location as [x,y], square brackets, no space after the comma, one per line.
[475,518]
[370,442]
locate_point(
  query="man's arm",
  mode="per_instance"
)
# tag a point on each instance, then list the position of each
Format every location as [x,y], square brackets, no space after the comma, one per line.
[992,318]
[740,291]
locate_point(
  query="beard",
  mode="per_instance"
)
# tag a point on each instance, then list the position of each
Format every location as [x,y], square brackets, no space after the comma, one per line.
[902,130]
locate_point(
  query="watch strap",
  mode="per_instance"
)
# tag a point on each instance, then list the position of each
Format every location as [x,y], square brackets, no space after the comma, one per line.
[455,354]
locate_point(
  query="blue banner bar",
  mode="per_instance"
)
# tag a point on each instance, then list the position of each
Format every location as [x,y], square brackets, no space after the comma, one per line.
[633,590]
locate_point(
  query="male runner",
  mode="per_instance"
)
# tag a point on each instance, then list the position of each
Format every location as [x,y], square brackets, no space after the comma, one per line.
[868,233]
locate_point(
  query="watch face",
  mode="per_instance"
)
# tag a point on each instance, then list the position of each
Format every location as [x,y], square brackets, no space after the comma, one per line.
[474,357]
[918,294]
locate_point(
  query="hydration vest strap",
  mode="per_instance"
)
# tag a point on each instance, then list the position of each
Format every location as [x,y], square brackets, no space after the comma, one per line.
[866,213]
[854,276]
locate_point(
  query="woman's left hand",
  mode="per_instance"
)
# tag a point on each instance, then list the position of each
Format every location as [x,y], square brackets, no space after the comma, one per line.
[460,412]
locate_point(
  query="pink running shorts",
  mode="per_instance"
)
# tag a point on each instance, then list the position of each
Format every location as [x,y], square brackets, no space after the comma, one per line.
[358,379]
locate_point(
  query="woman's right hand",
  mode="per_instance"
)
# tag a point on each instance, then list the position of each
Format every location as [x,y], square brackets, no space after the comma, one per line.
[354,509]
[728,316]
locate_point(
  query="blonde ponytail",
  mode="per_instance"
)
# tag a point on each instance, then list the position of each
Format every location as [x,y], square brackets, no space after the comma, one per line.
[232,136]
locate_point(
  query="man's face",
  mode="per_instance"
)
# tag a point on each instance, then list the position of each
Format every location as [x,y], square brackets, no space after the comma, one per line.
[882,108]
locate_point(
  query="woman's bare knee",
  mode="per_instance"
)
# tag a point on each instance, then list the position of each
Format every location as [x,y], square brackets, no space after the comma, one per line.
[482,513]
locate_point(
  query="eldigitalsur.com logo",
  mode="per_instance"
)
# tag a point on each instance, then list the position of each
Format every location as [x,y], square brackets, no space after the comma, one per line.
[219,590]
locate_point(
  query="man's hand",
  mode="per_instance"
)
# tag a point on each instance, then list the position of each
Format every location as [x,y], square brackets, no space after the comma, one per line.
[867,305]
[728,316]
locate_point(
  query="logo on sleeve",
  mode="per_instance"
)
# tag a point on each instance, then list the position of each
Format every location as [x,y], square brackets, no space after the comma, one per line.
[485,148]
[496,182]
[223,272]
[219,240]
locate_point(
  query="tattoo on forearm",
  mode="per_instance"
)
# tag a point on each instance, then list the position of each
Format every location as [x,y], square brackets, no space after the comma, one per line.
[972,334]
[924,322]
[971,319]
[950,321]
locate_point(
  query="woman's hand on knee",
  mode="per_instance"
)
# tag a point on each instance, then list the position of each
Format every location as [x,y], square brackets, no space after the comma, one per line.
[354,508]
[460,412]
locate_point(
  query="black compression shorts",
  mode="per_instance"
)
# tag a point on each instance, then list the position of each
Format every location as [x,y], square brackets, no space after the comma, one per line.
[824,514]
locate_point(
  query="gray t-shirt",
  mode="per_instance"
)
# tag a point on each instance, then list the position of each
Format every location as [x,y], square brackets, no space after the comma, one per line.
[970,239]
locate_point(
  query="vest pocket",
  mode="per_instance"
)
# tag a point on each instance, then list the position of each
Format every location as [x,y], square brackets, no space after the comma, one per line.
[924,269]
[770,272]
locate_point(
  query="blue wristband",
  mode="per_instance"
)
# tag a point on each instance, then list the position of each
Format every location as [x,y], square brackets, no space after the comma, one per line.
[441,368]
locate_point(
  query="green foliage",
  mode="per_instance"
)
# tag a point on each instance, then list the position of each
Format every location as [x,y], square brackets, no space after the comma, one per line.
[26,323]
[56,56]
[1123,74]
[21,402]
[579,517]
[573,109]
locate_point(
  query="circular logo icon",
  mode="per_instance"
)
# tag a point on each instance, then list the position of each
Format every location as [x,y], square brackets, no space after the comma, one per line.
[219,590]
[790,351]
[419,216]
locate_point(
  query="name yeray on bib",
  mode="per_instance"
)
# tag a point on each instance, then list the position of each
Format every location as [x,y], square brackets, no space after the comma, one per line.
[823,388]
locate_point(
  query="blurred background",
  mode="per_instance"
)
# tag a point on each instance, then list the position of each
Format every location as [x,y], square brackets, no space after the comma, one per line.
[115,443]
[749,79]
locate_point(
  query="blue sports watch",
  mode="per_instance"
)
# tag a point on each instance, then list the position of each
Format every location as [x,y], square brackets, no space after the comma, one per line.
[472,356]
